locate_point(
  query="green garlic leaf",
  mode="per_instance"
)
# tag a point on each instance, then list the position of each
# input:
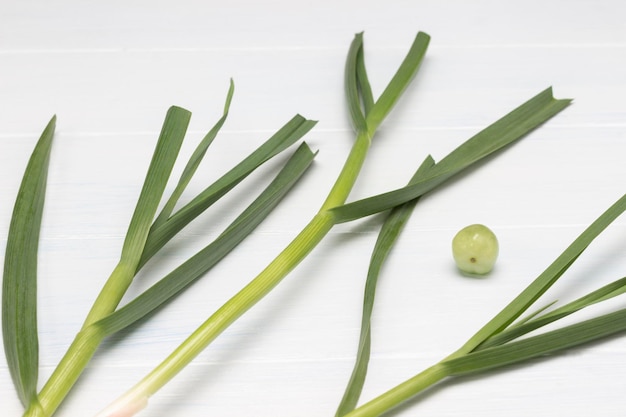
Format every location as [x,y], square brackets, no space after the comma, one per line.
[389,233]
[286,136]
[196,266]
[19,285]
[503,132]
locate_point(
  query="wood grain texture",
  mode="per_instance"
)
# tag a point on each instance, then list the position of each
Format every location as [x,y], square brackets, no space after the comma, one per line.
[106,70]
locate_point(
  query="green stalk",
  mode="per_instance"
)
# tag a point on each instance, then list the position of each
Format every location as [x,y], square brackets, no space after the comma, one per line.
[241,302]
[349,173]
[66,373]
[401,393]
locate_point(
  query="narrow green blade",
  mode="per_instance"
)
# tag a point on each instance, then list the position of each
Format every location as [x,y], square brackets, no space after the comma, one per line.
[535,313]
[194,162]
[196,266]
[19,286]
[366,114]
[532,347]
[503,132]
[399,82]
[546,279]
[517,330]
[351,83]
[393,225]
[290,133]
[168,146]
[161,165]
[363,82]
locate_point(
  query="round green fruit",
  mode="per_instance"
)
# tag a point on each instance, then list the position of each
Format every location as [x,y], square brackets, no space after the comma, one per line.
[475,249]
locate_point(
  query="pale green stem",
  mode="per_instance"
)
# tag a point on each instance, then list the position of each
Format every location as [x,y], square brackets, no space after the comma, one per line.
[112,292]
[83,346]
[401,393]
[248,296]
[351,168]
[66,373]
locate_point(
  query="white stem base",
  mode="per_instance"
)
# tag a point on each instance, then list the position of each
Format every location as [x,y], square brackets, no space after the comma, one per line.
[126,406]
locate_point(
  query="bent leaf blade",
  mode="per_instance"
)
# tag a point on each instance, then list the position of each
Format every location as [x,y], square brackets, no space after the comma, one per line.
[388,235]
[19,289]
[194,162]
[501,133]
[286,136]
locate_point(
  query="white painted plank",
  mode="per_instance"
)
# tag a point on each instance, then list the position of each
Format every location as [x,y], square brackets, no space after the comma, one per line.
[73,24]
[109,71]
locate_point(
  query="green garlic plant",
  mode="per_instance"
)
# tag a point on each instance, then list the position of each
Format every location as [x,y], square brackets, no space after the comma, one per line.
[367,115]
[149,231]
[498,343]
[147,234]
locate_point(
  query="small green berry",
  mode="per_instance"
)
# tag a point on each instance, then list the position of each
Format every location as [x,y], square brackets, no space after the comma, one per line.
[475,249]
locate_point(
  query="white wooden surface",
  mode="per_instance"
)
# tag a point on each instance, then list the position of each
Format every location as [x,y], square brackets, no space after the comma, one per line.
[109,70]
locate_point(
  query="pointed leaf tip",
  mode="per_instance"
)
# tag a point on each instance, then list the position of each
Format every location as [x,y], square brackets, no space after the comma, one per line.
[19,291]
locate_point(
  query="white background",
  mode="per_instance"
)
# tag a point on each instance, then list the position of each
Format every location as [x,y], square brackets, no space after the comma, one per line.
[109,70]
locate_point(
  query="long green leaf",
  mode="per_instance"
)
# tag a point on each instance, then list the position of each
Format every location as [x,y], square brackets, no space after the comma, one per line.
[168,146]
[199,264]
[517,330]
[290,133]
[351,83]
[161,165]
[503,132]
[532,347]
[401,79]
[19,285]
[194,162]
[389,233]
